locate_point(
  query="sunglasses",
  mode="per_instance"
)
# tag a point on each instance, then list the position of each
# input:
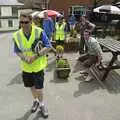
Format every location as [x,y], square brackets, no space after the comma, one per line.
[24,22]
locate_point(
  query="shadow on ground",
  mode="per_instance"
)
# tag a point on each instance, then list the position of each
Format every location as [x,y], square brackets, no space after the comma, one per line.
[85,87]
[28,114]
[51,65]
[112,83]
[56,79]
[25,116]
[77,67]
[16,79]
[37,116]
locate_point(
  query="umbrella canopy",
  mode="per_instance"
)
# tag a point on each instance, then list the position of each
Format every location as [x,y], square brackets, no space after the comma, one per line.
[107,9]
[118,3]
[51,13]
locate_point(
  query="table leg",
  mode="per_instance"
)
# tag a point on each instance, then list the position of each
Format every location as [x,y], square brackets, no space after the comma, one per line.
[114,58]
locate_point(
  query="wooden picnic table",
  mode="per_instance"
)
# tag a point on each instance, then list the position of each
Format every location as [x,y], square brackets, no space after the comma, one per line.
[112,46]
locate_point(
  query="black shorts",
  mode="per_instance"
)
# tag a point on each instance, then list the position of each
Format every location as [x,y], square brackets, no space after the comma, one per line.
[33,79]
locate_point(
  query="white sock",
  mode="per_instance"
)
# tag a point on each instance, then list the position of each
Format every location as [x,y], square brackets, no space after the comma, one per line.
[41,103]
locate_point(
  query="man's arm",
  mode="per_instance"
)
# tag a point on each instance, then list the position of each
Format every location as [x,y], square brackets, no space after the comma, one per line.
[91,25]
[46,43]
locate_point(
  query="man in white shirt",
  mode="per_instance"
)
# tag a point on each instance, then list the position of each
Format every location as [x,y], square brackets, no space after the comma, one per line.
[94,54]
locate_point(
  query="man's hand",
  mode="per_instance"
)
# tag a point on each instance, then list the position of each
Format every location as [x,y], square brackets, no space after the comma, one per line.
[31,59]
[27,59]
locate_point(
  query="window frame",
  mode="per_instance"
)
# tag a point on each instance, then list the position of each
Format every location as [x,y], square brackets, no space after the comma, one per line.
[14,11]
[10,23]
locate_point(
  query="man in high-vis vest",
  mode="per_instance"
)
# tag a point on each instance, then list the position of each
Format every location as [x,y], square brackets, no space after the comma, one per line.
[60,31]
[32,64]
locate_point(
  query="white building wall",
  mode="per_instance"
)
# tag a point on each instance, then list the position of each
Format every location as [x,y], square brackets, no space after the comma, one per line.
[6,11]
[5,27]
[4,23]
[15,23]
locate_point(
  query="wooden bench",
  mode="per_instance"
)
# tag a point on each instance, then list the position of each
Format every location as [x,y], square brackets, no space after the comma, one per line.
[96,72]
[112,46]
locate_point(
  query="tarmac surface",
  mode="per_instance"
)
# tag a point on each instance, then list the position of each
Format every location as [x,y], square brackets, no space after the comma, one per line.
[71,99]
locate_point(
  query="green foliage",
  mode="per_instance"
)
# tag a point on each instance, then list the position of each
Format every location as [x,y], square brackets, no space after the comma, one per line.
[59,48]
[62,63]
[73,33]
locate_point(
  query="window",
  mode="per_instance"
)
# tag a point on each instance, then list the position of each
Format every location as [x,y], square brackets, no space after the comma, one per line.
[10,23]
[14,11]
[79,10]
[76,10]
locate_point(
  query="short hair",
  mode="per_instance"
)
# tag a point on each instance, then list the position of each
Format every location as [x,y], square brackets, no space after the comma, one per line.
[26,15]
[60,18]
[45,13]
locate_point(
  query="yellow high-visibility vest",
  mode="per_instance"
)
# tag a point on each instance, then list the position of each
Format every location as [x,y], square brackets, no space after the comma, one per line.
[60,33]
[25,46]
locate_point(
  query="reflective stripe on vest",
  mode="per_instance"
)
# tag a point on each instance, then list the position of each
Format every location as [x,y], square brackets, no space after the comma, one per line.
[60,33]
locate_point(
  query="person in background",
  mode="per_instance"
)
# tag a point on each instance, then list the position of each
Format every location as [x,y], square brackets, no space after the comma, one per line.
[48,27]
[94,54]
[60,31]
[72,22]
[36,21]
[84,24]
[32,63]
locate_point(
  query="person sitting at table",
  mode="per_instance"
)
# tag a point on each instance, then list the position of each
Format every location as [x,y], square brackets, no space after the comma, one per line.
[93,56]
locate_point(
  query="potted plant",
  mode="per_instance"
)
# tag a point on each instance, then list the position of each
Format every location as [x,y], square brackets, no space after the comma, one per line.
[62,64]
[60,51]
[62,68]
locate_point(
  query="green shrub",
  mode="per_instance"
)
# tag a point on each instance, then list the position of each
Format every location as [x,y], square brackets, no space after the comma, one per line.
[62,63]
[59,48]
